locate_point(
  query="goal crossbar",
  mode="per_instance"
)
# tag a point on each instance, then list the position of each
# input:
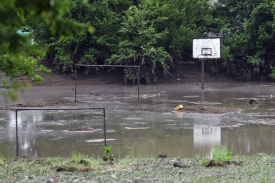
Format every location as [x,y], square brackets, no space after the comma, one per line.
[88,65]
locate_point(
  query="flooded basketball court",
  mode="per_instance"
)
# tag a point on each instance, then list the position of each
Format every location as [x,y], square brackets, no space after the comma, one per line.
[143,128]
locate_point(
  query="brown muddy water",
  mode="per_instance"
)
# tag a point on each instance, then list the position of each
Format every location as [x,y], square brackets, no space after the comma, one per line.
[146,128]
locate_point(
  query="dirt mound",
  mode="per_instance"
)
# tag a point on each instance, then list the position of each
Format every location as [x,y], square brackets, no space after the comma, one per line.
[207,109]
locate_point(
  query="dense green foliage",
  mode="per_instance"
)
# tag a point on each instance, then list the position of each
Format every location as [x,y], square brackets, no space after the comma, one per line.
[138,45]
[148,33]
[248,38]
[157,35]
[154,34]
[105,16]
[18,57]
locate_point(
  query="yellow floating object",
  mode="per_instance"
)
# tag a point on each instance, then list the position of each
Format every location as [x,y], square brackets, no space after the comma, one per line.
[178,108]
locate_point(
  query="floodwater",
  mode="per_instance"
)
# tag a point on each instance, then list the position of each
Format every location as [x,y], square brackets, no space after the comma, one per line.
[143,128]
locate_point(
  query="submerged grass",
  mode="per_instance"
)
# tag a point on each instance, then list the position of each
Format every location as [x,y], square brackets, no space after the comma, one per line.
[258,168]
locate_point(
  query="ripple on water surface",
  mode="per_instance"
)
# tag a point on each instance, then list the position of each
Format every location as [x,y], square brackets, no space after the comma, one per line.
[99,140]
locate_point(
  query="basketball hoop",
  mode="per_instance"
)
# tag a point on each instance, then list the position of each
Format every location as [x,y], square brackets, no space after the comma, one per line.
[206,48]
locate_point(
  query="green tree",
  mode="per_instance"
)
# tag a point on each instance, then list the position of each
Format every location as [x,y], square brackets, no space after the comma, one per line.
[138,45]
[105,16]
[148,32]
[18,57]
[260,31]
[186,19]
[157,34]
[248,35]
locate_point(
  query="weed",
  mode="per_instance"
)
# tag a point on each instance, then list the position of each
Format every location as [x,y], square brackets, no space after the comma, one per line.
[221,154]
[108,156]
[77,157]
[108,151]
[204,162]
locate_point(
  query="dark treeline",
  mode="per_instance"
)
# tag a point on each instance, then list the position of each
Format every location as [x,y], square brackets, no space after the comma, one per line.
[158,34]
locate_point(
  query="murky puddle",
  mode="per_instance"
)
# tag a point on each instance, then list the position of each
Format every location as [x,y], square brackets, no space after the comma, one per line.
[148,127]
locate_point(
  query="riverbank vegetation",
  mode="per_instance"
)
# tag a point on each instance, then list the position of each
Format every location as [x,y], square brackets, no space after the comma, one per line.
[153,34]
[157,35]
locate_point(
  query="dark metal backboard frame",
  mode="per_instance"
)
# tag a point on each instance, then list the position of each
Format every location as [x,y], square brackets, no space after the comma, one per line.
[213,43]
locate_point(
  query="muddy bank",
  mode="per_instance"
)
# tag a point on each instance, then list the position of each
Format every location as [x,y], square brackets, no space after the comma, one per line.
[185,74]
[37,105]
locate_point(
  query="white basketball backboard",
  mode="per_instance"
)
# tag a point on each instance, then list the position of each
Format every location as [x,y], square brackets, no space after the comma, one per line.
[207,48]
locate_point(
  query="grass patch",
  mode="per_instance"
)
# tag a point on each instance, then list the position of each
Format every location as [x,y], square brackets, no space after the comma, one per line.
[75,156]
[221,153]
[257,168]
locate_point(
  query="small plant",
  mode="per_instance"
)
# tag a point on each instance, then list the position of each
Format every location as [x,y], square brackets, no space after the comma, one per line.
[221,154]
[204,161]
[77,157]
[108,151]
[108,156]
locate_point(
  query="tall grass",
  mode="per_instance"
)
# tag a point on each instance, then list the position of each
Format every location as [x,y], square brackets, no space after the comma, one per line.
[221,153]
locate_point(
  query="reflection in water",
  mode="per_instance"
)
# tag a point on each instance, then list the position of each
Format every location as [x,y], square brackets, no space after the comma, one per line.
[206,137]
[26,130]
[33,130]
[179,114]
[36,140]
[149,127]
[206,134]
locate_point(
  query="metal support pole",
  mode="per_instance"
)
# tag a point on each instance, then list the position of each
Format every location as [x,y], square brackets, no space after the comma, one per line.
[17,143]
[202,97]
[105,143]
[138,81]
[75,74]
[202,74]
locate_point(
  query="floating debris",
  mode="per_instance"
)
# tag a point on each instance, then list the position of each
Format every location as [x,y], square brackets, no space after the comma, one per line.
[178,108]
[87,128]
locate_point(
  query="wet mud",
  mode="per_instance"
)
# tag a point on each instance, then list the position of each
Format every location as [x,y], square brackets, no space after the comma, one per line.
[213,163]
[37,104]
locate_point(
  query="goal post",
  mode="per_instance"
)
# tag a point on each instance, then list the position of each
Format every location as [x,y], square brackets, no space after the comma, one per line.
[88,65]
